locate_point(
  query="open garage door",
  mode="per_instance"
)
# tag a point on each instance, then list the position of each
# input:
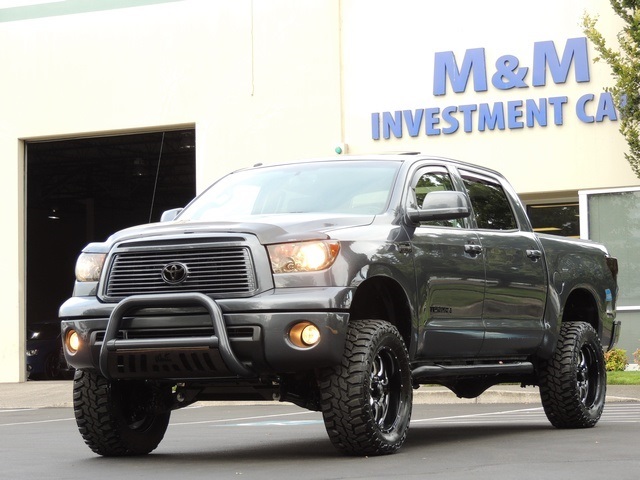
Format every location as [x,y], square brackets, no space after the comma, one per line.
[82,190]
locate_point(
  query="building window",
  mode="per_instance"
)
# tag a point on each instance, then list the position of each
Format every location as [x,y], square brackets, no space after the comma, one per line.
[612,217]
[614,220]
[561,219]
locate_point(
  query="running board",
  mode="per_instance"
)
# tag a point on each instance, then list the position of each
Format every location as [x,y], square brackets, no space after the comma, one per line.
[441,371]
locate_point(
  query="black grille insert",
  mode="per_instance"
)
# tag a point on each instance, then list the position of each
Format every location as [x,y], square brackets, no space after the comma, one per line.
[213,270]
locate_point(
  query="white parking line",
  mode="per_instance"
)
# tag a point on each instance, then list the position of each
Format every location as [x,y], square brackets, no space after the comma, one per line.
[476,415]
[617,413]
[241,419]
[37,422]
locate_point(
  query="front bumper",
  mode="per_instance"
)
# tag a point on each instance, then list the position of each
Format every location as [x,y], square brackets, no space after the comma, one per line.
[191,336]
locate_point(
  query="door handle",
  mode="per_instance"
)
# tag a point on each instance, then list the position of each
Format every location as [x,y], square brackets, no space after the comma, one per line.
[534,254]
[404,247]
[472,249]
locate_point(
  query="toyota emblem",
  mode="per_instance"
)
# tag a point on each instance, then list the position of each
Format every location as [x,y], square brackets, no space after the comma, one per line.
[175,273]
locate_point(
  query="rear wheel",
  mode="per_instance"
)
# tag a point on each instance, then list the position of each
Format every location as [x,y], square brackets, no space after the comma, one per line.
[573,382]
[366,400]
[117,418]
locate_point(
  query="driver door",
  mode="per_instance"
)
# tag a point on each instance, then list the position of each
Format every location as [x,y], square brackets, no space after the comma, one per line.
[450,277]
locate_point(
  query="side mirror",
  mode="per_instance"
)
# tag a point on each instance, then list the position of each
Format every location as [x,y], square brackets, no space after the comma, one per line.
[170,214]
[441,205]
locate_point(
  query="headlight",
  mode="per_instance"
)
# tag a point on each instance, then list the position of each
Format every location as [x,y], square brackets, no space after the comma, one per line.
[303,256]
[89,267]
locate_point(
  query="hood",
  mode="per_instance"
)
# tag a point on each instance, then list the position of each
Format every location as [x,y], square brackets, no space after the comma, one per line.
[268,228]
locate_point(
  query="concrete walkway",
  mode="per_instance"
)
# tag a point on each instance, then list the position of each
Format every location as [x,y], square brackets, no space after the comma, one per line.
[41,394]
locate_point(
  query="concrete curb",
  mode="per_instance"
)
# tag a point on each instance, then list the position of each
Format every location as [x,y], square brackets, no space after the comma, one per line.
[41,394]
[437,395]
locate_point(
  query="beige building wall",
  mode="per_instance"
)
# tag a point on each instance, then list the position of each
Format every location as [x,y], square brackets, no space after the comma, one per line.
[389,50]
[260,80]
[271,80]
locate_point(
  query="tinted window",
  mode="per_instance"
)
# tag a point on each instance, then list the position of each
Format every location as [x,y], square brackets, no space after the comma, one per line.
[432,180]
[490,204]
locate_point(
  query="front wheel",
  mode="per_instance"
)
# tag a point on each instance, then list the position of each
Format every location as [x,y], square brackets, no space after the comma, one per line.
[117,418]
[366,400]
[573,383]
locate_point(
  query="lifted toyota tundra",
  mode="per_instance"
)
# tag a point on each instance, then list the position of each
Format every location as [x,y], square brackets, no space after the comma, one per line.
[339,285]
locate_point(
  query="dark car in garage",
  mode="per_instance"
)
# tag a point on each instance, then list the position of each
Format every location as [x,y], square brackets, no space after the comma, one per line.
[45,360]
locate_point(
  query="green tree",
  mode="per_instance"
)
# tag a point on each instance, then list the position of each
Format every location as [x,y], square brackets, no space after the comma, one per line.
[625,65]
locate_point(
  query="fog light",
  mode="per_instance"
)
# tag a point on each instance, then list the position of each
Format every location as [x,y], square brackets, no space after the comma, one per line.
[72,342]
[304,335]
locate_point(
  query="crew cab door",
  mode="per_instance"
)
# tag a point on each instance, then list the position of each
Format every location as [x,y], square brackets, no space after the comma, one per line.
[515,292]
[449,275]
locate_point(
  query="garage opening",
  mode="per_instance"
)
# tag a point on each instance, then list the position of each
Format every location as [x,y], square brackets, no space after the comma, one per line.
[81,191]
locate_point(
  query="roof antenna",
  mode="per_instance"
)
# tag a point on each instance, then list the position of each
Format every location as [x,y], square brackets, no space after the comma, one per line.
[155,185]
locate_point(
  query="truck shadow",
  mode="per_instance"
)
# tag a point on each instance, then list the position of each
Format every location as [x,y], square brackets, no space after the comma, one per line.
[421,436]
[311,447]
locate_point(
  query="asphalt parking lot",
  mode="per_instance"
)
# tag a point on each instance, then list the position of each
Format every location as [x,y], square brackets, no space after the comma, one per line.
[452,440]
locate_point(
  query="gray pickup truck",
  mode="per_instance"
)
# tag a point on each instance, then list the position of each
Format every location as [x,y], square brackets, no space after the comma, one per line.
[339,285]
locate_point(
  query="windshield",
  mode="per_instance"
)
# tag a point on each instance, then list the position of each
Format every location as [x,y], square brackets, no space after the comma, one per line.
[343,187]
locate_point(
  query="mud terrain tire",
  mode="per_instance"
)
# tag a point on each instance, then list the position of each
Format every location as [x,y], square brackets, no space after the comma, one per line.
[366,400]
[117,418]
[573,382]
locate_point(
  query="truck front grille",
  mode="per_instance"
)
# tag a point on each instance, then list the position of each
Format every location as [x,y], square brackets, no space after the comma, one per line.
[218,271]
